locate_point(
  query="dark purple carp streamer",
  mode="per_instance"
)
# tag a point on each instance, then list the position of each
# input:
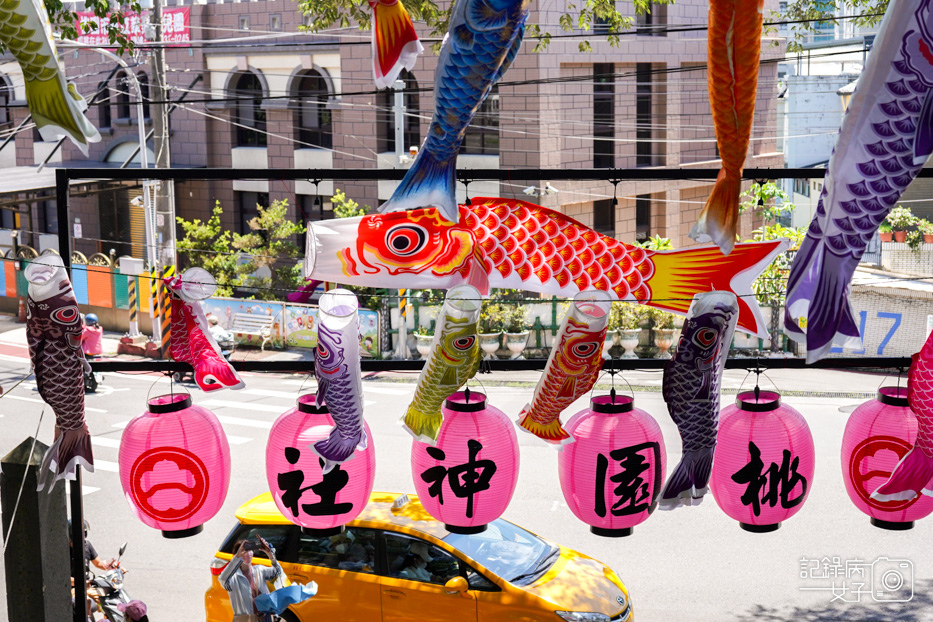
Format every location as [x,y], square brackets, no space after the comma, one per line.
[53,332]
[692,380]
[886,137]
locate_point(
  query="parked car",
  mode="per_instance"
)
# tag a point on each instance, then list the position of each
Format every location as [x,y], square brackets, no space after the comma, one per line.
[395,562]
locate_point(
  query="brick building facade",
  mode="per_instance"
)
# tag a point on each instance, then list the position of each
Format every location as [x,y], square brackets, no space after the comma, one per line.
[642,104]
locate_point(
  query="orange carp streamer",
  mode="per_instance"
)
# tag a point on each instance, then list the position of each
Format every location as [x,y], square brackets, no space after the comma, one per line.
[395,43]
[734,51]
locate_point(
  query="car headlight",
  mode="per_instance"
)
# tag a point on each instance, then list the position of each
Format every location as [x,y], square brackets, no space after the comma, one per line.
[583,616]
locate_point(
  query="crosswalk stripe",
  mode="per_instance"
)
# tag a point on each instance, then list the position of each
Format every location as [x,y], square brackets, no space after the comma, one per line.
[250,423]
[402,390]
[85,490]
[233,440]
[32,399]
[106,465]
[243,406]
[104,441]
[269,393]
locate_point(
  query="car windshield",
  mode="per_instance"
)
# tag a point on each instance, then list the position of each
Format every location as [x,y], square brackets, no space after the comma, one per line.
[506,550]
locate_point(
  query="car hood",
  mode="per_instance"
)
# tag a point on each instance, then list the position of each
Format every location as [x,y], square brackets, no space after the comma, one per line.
[579,583]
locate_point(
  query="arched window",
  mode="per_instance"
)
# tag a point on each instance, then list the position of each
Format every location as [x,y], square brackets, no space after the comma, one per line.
[123,97]
[313,121]
[411,123]
[482,137]
[103,105]
[6,96]
[144,91]
[249,115]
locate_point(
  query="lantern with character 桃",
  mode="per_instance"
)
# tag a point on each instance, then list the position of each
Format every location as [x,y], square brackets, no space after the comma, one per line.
[764,461]
[320,502]
[613,472]
[467,479]
[878,435]
[175,465]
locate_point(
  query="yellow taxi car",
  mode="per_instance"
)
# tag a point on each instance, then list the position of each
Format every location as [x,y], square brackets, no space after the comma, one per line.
[397,563]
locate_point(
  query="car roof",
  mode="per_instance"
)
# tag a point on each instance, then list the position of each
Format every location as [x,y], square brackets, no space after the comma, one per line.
[411,516]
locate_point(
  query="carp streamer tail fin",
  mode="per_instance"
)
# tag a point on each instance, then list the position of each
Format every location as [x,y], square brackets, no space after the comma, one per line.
[57,110]
[912,475]
[71,448]
[552,432]
[688,483]
[395,43]
[336,448]
[720,216]
[424,427]
[429,182]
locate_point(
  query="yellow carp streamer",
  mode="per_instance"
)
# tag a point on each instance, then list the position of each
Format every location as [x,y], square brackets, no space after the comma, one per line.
[454,359]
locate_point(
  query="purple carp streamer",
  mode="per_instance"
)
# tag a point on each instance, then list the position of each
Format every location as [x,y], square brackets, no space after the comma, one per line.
[886,137]
[337,369]
[53,332]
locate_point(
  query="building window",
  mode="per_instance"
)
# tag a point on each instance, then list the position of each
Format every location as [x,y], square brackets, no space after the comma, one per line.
[314,122]
[6,96]
[642,217]
[314,207]
[802,186]
[411,123]
[643,146]
[601,24]
[123,98]
[249,115]
[604,115]
[144,93]
[248,205]
[48,215]
[244,22]
[604,217]
[275,22]
[652,23]
[482,136]
[103,106]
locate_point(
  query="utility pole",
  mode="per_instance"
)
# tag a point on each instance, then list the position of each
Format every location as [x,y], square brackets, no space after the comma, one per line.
[165,190]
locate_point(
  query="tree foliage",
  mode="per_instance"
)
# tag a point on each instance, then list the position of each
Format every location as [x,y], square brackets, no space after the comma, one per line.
[580,15]
[208,245]
[811,15]
[113,17]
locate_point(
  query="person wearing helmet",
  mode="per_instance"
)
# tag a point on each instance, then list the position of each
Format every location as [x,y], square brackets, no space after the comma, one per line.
[92,336]
[90,557]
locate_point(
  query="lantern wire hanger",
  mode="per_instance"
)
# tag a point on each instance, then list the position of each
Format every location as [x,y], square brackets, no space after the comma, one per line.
[171,386]
[466,189]
[466,388]
[611,369]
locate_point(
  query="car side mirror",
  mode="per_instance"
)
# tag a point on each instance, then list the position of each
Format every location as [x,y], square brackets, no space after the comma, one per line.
[457,585]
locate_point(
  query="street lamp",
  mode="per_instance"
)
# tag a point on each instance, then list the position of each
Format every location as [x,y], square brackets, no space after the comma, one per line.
[845,93]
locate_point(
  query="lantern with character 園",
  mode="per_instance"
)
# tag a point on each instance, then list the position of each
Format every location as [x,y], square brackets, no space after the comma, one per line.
[613,472]
[321,503]
[175,465]
[467,478]
[764,461]
[878,435]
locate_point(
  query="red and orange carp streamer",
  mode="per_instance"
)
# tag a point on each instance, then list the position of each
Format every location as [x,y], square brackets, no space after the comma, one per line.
[734,52]
[395,42]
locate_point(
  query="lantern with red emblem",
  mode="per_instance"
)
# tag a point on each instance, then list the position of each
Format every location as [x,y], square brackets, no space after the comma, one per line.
[175,465]
[878,434]
[321,503]
[764,461]
[613,472]
[467,479]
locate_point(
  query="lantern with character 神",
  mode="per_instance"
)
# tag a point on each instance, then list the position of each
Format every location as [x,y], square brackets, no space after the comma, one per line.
[878,434]
[764,461]
[321,503]
[175,465]
[613,472]
[467,479]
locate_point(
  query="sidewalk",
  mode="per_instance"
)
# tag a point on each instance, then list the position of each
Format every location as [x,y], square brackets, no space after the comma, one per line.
[809,382]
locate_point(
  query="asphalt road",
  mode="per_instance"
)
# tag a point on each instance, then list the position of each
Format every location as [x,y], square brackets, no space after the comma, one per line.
[690,564]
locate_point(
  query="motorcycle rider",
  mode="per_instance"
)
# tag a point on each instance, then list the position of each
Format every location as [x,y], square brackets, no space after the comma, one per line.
[90,557]
[91,336]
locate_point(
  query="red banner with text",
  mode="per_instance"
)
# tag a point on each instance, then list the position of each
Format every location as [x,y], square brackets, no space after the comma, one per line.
[176,27]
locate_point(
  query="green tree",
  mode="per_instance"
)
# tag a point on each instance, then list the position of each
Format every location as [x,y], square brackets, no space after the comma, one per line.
[208,245]
[269,248]
[345,207]
[64,20]
[768,199]
[580,16]
[810,15]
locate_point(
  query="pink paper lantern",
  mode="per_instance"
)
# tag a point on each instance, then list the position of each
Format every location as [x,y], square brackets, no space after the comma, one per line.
[175,465]
[878,434]
[764,461]
[467,479]
[613,472]
[321,504]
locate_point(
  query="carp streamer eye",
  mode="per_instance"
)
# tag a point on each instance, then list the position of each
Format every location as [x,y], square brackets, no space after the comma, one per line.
[406,240]
[706,337]
[65,315]
[464,343]
[585,350]
[322,351]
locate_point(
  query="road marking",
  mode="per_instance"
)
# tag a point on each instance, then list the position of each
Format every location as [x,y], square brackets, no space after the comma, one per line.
[233,440]
[366,387]
[85,490]
[106,465]
[250,423]
[253,406]
[105,441]
[288,395]
[15,359]
[32,399]
[148,378]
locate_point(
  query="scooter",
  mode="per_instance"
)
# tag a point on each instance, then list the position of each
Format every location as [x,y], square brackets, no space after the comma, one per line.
[108,592]
[92,379]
